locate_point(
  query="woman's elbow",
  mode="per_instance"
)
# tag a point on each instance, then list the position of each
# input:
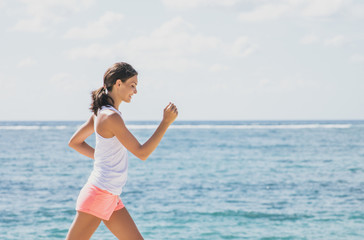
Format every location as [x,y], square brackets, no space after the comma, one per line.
[143,157]
[141,153]
[71,143]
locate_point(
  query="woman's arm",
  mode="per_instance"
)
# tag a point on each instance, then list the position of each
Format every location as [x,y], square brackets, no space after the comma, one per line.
[131,143]
[77,141]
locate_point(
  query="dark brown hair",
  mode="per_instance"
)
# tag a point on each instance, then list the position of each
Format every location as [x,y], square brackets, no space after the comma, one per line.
[100,97]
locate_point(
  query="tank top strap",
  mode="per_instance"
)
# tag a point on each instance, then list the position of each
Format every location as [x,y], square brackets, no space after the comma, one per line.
[110,108]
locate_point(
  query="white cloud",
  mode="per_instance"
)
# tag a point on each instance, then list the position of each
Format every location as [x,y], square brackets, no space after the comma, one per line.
[175,45]
[242,47]
[40,14]
[264,82]
[171,46]
[27,62]
[265,12]
[322,8]
[66,82]
[309,39]
[97,29]
[284,84]
[335,41]
[298,8]
[175,38]
[33,24]
[8,83]
[198,3]
[93,51]
[2,3]
[357,58]
[357,10]
[219,68]
[173,26]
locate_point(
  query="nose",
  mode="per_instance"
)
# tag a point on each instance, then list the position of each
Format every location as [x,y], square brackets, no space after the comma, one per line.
[135,91]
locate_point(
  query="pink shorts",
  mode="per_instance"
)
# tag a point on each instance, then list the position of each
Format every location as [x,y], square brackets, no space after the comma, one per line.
[98,202]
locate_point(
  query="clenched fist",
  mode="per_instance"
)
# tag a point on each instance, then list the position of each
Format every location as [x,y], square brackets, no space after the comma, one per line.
[170,113]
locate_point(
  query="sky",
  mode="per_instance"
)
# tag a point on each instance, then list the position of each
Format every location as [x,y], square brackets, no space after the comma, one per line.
[215,59]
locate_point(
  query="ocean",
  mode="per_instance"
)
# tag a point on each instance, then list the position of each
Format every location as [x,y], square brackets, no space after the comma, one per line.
[206,180]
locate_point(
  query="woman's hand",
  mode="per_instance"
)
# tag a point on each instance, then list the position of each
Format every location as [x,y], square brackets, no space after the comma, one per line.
[170,113]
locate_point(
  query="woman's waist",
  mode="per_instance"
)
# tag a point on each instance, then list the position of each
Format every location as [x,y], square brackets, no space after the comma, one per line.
[110,153]
[112,186]
[110,168]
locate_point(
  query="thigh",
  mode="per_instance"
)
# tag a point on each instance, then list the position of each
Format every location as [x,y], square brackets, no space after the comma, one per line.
[122,225]
[83,226]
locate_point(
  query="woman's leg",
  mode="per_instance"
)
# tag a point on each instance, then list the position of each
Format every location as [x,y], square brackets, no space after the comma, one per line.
[83,226]
[122,225]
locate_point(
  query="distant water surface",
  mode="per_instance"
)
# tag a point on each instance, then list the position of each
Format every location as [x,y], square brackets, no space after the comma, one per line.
[206,180]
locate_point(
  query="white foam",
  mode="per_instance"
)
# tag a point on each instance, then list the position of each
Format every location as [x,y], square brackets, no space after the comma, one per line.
[19,127]
[131,126]
[189,126]
[256,126]
[22,127]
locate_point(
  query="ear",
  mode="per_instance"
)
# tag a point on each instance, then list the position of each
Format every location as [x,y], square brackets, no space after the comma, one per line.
[118,82]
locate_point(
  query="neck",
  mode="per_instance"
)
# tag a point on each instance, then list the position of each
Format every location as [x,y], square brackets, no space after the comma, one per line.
[117,101]
[117,104]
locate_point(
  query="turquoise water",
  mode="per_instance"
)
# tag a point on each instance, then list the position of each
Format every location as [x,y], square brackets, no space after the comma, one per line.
[206,180]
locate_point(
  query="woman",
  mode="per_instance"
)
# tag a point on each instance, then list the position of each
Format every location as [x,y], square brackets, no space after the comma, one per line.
[99,199]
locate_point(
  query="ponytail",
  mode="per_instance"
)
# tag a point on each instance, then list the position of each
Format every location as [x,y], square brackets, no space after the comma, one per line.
[100,98]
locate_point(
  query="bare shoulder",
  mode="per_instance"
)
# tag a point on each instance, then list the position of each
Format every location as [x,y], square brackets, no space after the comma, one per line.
[107,115]
[109,119]
[113,118]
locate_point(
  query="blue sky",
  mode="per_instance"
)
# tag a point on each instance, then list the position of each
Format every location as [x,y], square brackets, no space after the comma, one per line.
[216,60]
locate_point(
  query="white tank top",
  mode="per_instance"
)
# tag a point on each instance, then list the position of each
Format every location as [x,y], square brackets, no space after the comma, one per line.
[111,162]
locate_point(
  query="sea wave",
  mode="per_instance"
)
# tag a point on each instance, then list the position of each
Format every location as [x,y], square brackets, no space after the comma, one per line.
[257,126]
[34,127]
[189,126]
[257,215]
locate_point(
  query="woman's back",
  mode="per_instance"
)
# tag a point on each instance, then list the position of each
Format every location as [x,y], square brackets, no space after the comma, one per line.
[111,157]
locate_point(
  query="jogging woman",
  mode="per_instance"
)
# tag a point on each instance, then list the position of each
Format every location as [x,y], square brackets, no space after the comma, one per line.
[99,199]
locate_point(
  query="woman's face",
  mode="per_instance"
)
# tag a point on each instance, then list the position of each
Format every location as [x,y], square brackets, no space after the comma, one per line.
[128,88]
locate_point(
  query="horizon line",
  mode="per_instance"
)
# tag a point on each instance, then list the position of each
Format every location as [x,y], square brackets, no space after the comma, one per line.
[197,120]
